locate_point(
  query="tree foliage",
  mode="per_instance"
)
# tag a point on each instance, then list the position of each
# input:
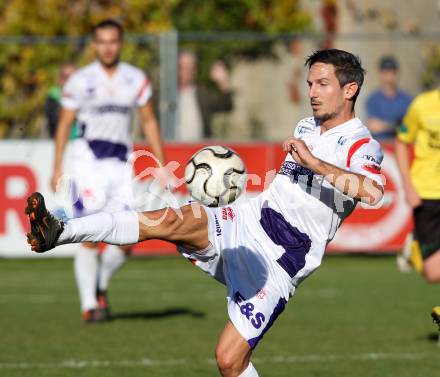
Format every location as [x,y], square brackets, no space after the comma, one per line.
[431,75]
[29,63]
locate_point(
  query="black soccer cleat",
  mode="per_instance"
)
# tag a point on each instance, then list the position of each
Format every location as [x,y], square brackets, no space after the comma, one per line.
[45,227]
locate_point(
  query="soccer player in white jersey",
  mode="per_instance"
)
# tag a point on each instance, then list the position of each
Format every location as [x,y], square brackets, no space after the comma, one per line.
[102,97]
[261,249]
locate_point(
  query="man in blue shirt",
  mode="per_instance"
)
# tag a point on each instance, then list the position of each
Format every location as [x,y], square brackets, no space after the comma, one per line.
[387,105]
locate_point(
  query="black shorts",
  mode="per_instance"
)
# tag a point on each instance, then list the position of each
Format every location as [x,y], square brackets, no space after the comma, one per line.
[427,226]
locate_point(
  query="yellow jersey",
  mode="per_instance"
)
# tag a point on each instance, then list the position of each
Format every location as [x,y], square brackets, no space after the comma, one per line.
[421,126]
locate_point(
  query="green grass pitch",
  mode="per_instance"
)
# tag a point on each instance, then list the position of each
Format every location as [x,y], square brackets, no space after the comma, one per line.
[356,316]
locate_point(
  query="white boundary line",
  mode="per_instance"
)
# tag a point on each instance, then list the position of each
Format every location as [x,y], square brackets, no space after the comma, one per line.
[146,362]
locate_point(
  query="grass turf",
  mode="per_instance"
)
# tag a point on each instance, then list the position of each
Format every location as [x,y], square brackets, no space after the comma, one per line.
[356,316]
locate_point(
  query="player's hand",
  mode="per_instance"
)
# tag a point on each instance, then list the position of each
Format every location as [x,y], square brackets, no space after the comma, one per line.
[300,152]
[220,75]
[54,180]
[412,197]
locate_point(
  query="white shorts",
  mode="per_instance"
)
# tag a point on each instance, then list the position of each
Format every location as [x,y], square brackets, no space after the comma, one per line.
[251,264]
[100,185]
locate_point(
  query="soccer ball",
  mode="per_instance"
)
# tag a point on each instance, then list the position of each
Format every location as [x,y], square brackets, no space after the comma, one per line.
[215,176]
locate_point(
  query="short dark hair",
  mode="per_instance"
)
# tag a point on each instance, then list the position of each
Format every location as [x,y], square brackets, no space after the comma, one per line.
[106,24]
[388,63]
[348,67]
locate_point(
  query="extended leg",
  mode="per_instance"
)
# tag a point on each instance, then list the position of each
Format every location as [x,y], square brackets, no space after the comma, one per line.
[185,226]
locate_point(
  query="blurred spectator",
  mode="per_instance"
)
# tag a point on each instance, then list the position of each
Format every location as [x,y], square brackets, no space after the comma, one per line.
[387,105]
[296,81]
[52,105]
[197,103]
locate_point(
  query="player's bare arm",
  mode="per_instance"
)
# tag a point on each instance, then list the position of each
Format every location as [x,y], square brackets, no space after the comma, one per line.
[352,184]
[62,135]
[150,126]
[403,162]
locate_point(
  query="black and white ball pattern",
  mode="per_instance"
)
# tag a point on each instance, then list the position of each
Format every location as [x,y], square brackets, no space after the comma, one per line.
[215,176]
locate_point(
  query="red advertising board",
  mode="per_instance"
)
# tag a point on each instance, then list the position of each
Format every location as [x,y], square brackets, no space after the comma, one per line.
[26,166]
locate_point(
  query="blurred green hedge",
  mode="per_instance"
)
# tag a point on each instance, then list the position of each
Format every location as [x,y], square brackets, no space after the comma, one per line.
[29,64]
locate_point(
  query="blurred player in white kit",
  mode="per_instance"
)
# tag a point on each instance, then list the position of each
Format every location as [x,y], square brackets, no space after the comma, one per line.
[264,248]
[102,97]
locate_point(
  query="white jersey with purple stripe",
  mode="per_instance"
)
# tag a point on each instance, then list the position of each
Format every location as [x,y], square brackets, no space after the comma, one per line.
[104,105]
[310,203]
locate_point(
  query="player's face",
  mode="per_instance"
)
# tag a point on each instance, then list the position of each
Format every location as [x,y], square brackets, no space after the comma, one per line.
[108,45]
[326,94]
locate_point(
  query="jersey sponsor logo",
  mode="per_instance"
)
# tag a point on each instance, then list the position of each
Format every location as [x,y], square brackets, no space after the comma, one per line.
[434,139]
[292,168]
[218,229]
[370,158]
[247,309]
[303,130]
[342,140]
[228,213]
[112,108]
[299,173]
[371,168]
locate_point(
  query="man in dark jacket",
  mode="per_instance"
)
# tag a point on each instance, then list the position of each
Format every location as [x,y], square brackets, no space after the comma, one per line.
[197,104]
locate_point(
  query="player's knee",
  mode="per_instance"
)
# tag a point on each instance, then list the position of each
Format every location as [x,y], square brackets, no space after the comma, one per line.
[171,221]
[431,275]
[164,218]
[227,363]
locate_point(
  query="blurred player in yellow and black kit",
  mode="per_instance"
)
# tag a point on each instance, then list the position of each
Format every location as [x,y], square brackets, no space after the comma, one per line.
[421,179]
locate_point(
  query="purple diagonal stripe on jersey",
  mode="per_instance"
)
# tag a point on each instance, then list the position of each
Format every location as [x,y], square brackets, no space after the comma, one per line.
[296,243]
[106,149]
[276,312]
[78,204]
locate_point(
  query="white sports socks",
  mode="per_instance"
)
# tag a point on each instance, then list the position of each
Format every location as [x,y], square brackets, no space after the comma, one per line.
[86,274]
[250,371]
[119,228]
[112,259]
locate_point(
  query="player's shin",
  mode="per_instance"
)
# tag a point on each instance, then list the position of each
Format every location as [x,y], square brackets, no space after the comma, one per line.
[119,228]
[86,271]
[112,259]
